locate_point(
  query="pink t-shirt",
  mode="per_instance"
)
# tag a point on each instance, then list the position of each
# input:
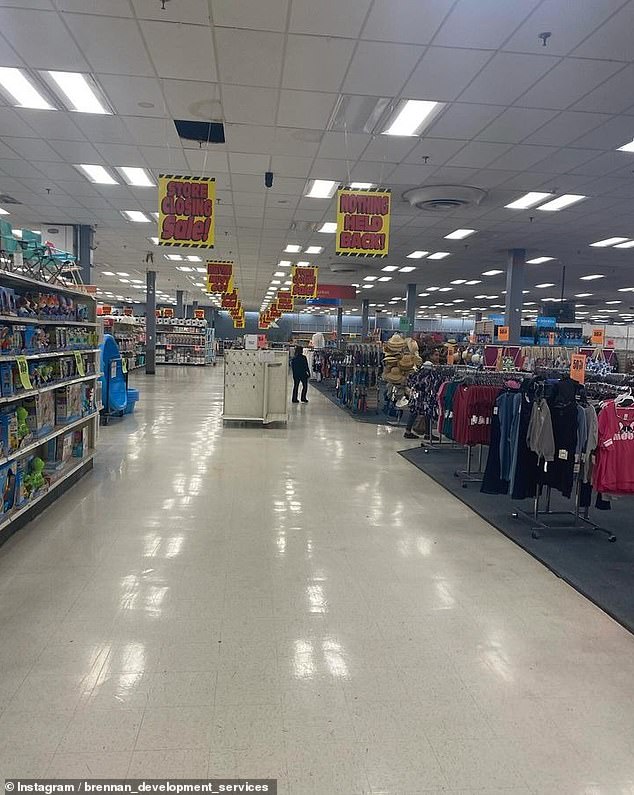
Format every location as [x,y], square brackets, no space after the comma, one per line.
[614,470]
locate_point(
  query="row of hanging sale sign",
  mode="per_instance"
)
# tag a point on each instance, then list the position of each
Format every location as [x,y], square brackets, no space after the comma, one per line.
[187,216]
[220,280]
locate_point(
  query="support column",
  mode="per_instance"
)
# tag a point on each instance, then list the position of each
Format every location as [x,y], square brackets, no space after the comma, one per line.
[194,307]
[150,324]
[514,287]
[340,326]
[83,251]
[365,319]
[478,317]
[179,303]
[410,307]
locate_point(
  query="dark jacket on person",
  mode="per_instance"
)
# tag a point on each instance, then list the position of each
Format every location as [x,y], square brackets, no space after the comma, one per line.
[299,365]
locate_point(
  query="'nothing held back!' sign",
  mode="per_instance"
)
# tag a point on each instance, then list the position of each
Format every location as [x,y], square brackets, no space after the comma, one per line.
[363,222]
[186,211]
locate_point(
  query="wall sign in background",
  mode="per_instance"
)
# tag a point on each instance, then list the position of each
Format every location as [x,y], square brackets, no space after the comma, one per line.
[363,222]
[186,211]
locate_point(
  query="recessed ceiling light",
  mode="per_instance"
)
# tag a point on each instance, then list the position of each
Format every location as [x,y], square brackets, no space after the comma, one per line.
[125,281]
[322,189]
[583,295]
[284,263]
[609,241]
[194,258]
[458,301]
[370,278]
[528,200]
[366,286]
[592,277]
[274,281]
[81,95]
[492,273]
[626,147]
[410,117]
[6,212]
[439,255]
[407,269]
[628,244]
[137,177]
[292,248]
[445,289]
[614,302]
[460,234]
[561,202]
[279,273]
[385,278]
[303,264]
[107,273]
[361,185]
[471,282]
[390,268]
[417,254]
[136,281]
[621,290]
[423,295]
[539,260]
[329,228]
[154,240]
[314,249]
[97,174]
[22,90]
[432,289]
[122,273]
[174,258]
[458,281]
[543,286]
[529,303]
[135,215]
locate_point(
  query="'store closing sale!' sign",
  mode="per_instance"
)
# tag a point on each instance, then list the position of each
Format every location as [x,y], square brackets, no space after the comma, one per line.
[363,222]
[186,211]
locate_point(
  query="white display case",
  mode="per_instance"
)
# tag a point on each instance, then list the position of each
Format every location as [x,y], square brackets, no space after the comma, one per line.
[256,386]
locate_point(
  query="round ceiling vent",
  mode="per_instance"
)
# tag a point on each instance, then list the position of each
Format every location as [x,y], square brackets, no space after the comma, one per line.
[444,198]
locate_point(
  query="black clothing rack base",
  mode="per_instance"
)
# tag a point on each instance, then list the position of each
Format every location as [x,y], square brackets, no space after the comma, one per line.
[468,475]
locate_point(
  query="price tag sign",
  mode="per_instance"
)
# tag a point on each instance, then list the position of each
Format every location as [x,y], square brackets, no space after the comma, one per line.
[113,368]
[80,364]
[578,367]
[504,333]
[124,365]
[23,371]
[598,336]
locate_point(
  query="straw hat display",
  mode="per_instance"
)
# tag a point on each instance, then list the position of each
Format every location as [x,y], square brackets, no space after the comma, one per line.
[395,344]
[395,376]
[406,362]
[401,357]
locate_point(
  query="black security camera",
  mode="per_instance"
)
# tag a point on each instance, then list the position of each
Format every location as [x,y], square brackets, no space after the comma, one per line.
[268,179]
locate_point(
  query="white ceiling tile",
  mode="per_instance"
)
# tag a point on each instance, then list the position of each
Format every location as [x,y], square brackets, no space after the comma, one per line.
[567,82]
[405,20]
[9,56]
[483,23]
[506,77]
[14,122]
[343,146]
[20,169]
[287,186]
[77,152]
[249,138]
[296,142]
[329,17]
[32,148]
[444,72]
[309,109]
[111,45]
[522,157]
[249,164]
[110,8]
[515,124]
[565,160]
[607,163]
[478,154]
[252,14]
[491,178]
[316,63]
[250,57]
[125,92]
[176,50]
[367,171]
[210,163]
[51,124]
[43,5]
[438,150]
[396,64]
[616,95]
[42,38]
[566,127]
[187,99]
[464,121]
[120,155]
[613,40]
[389,148]
[244,105]
[152,132]
[103,129]
[329,169]
[408,174]
[610,135]
[194,11]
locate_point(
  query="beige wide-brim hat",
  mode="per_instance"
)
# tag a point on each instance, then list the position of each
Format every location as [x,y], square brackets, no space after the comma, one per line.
[407,362]
[395,376]
[391,359]
[396,342]
[412,345]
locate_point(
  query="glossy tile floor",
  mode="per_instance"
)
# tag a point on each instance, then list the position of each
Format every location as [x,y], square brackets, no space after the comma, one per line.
[298,603]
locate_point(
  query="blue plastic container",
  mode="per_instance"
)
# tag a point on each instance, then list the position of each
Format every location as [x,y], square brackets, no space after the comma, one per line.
[133,397]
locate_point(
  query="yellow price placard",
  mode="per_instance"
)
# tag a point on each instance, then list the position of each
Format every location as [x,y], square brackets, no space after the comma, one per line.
[124,364]
[80,364]
[23,371]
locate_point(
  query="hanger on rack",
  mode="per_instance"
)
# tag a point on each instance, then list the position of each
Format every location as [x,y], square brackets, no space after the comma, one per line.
[625,399]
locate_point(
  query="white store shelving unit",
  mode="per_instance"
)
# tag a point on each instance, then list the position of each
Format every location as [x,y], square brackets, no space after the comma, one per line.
[255,386]
[186,341]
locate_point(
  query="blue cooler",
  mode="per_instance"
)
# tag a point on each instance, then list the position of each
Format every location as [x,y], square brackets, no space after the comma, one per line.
[133,396]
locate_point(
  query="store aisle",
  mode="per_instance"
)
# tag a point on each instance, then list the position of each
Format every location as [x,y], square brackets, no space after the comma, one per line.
[299,603]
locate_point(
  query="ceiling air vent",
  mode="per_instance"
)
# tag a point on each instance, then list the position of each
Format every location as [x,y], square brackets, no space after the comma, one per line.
[444,198]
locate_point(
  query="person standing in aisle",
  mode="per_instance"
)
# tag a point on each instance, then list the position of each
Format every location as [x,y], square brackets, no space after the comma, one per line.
[301,371]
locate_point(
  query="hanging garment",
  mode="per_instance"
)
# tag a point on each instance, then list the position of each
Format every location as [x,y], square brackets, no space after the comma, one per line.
[524,466]
[472,411]
[614,469]
[492,482]
[592,441]
[559,473]
[540,437]
[508,410]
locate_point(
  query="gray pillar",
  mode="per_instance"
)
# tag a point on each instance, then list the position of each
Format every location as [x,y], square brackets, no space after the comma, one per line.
[194,307]
[340,326]
[179,303]
[365,319]
[478,317]
[410,307]
[514,287]
[150,324]
[83,251]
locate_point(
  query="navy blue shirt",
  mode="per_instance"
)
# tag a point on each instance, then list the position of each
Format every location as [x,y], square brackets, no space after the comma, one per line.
[299,365]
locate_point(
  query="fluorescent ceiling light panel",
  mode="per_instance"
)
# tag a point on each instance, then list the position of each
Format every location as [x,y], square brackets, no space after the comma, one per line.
[390,268]
[322,189]
[22,90]
[410,118]
[366,286]
[78,91]
[6,212]
[279,273]
[174,257]
[440,255]
[137,177]
[620,290]
[328,228]
[629,244]
[122,273]
[458,281]
[361,185]
[314,249]
[561,202]
[423,295]
[609,241]
[97,174]
[284,263]
[107,273]
[626,147]
[543,286]
[492,273]
[539,260]
[194,258]
[614,302]
[592,277]
[292,248]
[154,240]
[136,215]
[417,254]
[528,200]
[370,278]
[407,269]
[460,234]
[471,282]
[385,278]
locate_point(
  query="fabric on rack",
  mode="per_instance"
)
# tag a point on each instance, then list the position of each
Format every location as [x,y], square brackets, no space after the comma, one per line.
[540,437]
[492,482]
[582,432]
[445,418]
[524,462]
[591,443]
[559,474]
[508,409]
[472,411]
[614,469]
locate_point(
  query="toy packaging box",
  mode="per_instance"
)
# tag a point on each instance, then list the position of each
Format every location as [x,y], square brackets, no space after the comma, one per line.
[41,418]
[65,447]
[7,487]
[9,441]
[80,443]
[7,380]
[68,403]
[21,495]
